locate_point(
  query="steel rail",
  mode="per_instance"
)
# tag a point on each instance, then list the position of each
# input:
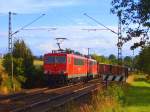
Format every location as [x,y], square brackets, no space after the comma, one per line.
[55,98]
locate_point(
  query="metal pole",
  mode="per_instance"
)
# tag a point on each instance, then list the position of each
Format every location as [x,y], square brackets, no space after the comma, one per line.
[10,42]
[12,67]
[88,63]
[9,33]
[88,52]
[10,48]
[119,40]
[119,33]
[133,61]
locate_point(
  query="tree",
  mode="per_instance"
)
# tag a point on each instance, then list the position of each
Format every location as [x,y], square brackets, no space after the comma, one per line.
[113,59]
[20,50]
[135,19]
[101,59]
[22,60]
[144,60]
[128,61]
[135,62]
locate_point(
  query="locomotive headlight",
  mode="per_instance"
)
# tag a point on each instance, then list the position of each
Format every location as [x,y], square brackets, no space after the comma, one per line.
[45,72]
[63,72]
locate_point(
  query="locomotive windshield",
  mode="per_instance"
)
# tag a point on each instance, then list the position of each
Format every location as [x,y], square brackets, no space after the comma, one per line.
[55,59]
[60,59]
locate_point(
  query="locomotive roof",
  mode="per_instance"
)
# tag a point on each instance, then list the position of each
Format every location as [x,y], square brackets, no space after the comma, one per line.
[71,53]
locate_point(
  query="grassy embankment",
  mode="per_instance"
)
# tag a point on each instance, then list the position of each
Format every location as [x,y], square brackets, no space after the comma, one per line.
[138,94]
[131,97]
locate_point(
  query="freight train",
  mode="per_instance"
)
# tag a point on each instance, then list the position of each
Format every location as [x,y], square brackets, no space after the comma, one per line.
[64,67]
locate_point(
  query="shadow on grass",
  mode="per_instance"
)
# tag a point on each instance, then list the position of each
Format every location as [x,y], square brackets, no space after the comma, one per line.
[145,78]
[137,96]
[140,79]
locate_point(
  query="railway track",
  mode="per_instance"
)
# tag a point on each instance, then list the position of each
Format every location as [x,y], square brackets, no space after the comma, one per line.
[44,97]
[28,93]
[21,94]
[65,98]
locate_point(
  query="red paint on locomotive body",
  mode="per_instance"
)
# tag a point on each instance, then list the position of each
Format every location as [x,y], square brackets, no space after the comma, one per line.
[54,63]
[77,67]
[69,65]
[92,67]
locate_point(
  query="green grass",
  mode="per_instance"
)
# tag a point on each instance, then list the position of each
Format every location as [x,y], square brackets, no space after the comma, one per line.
[138,96]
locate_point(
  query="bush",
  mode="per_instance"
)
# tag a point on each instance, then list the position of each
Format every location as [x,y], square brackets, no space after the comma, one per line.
[6,83]
[36,78]
[117,92]
[24,70]
[143,60]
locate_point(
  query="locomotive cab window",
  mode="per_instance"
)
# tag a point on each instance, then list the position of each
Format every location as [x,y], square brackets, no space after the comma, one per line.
[60,59]
[49,59]
[78,61]
[55,59]
[92,63]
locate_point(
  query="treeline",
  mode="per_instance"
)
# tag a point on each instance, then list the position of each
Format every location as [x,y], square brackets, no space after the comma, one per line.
[143,60]
[24,69]
[112,59]
[140,62]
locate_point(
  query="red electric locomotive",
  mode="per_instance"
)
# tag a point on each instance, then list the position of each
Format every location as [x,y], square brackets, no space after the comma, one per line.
[62,66]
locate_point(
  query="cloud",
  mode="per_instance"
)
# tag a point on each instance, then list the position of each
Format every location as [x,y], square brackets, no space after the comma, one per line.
[100,42]
[78,39]
[33,6]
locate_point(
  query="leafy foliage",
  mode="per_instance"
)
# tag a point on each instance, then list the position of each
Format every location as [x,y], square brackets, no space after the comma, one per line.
[6,82]
[135,19]
[23,67]
[22,59]
[101,59]
[20,50]
[113,59]
[144,60]
[128,61]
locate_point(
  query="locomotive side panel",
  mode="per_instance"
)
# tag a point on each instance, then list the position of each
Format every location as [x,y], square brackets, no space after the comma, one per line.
[92,70]
[79,67]
[69,65]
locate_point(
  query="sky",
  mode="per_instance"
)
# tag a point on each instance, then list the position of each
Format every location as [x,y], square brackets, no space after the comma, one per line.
[67,16]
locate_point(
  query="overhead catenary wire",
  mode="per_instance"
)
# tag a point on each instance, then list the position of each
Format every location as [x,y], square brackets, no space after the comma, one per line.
[100,23]
[28,24]
[119,34]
